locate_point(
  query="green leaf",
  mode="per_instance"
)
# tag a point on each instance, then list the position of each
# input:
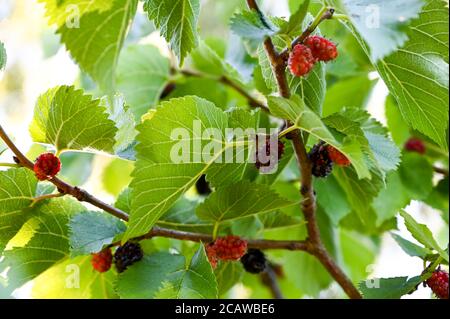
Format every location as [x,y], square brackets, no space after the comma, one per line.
[117,176]
[227,275]
[142,74]
[360,192]
[381,154]
[124,121]
[197,281]
[206,60]
[145,278]
[422,234]
[398,128]
[74,279]
[382,24]
[3,56]
[387,206]
[70,120]
[90,231]
[417,74]
[416,173]
[177,21]
[252,25]
[352,243]
[351,92]
[162,176]
[97,42]
[60,12]
[332,198]
[303,118]
[49,242]
[410,248]
[17,191]
[388,288]
[232,202]
[294,25]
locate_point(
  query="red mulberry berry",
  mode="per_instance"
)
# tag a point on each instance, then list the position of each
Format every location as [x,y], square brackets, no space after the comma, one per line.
[438,282]
[47,166]
[212,256]
[270,156]
[230,248]
[301,60]
[337,157]
[102,260]
[415,145]
[127,255]
[321,48]
[322,165]
[254,261]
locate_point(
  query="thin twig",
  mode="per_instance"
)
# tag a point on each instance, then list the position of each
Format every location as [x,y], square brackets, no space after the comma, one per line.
[440,170]
[252,101]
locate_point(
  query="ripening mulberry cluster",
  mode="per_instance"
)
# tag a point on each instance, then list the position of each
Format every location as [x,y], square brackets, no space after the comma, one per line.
[265,148]
[323,156]
[46,166]
[229,248]
[127,255]
[438,282]
[304,56]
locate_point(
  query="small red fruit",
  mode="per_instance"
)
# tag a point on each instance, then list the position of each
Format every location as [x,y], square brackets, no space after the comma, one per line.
[102,260]
[230,248]
[301,60]
[337,157]
[211,253]
[47,166]
[225,248]
[322,49]
[415,145]
[438,282]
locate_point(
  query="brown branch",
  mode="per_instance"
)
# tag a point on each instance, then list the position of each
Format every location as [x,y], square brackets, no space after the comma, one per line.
[252,101]
[84,196]
[206,238]
[440,170]
[308,205]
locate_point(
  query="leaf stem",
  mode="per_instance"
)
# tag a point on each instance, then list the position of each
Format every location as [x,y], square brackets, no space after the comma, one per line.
[45,197]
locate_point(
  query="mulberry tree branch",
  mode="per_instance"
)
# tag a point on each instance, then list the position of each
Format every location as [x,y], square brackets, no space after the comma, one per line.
[308,205]
[84,196]
[225,80]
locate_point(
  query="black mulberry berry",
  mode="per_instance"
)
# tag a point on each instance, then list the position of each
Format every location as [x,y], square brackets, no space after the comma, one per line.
[127,255]
[266,148]
[322,165]
[202,186]
[254,261]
